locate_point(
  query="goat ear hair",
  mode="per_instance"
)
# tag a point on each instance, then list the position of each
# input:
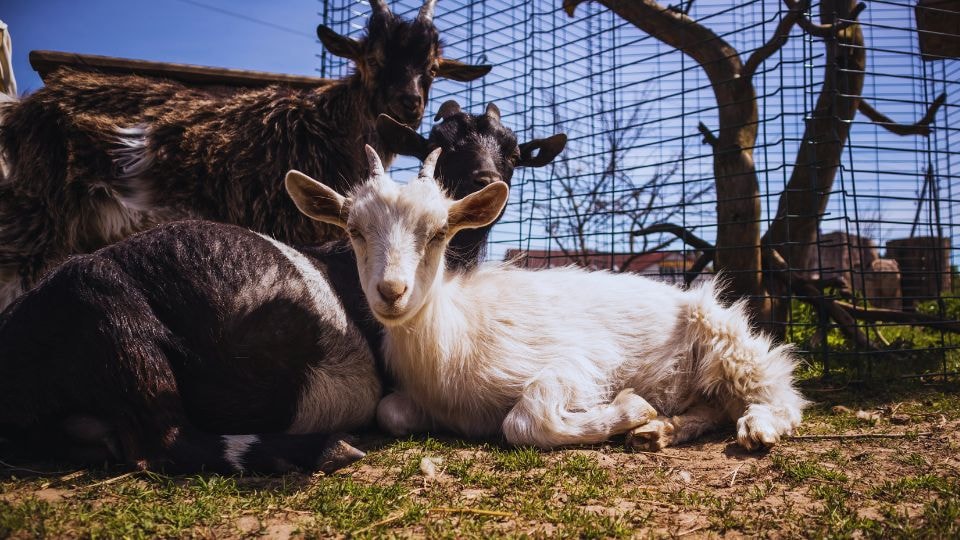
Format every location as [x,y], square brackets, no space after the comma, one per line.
[400,139]
[480,208]
[338,45]
[458,71]
[549,149]
[316,200]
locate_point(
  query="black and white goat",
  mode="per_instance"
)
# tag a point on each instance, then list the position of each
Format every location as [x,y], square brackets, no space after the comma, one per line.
[198,345]
[95,157]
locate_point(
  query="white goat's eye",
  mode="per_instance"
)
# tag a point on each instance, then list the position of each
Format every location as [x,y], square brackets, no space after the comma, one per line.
[440,235]
[355,234]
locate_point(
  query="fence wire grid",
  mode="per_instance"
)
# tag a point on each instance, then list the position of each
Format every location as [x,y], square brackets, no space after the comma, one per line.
[638,114]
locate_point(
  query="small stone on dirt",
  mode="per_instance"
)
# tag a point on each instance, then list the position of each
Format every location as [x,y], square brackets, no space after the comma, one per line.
[52,495]
[899,419]
[428,466]
[840,409]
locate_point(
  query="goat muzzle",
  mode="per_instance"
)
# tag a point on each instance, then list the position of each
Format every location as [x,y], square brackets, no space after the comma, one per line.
[391,291]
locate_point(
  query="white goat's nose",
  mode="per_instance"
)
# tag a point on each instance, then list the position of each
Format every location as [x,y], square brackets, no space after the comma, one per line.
[391,290]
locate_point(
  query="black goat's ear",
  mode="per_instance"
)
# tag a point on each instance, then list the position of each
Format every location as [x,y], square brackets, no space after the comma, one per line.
[447,109]
[316,200]
[548,148]
[400,139]
[458,71]
[338,45]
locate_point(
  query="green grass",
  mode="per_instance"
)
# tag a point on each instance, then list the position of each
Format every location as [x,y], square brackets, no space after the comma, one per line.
[912,351]
[900,488]
[800,470]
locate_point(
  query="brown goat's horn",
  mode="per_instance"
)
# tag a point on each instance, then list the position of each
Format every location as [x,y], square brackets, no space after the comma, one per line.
[430,164]
[373,160]
[426,11]
[380,8]
[449,108]
[493,111]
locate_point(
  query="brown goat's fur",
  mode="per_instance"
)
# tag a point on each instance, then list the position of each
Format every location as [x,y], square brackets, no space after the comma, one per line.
[95,157]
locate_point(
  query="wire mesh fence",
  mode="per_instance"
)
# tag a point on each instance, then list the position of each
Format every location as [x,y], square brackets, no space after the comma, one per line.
[852,158]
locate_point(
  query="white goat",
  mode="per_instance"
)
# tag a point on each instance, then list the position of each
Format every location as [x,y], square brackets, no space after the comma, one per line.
[547,357]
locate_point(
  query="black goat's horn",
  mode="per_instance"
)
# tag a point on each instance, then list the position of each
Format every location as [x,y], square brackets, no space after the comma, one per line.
[380,8]
[447,109]
[426,11]
[493,111]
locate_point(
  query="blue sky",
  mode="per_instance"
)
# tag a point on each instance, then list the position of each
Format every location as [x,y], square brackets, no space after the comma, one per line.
[167,30]
[591,64]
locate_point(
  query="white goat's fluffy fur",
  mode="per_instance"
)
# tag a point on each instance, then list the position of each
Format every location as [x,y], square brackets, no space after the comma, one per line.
[560,356]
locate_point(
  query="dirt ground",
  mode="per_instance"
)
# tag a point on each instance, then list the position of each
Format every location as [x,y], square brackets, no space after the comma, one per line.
[883,464]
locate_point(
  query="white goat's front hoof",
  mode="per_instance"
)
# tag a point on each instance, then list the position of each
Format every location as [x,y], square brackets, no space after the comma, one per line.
[652,436]
[633,409]
[757,430]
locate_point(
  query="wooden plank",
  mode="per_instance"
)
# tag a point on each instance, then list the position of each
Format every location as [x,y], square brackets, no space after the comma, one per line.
[46,62]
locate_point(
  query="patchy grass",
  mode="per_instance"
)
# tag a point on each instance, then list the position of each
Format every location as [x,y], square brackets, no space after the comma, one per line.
[903,487]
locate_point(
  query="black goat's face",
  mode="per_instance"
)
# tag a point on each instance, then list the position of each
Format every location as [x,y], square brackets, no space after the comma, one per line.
[478,150]
[398,60]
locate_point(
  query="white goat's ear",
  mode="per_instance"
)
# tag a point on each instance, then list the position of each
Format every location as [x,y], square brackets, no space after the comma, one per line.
[480,208]
[316,200]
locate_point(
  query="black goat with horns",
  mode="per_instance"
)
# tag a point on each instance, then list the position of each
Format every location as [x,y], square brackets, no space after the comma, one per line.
[94,157]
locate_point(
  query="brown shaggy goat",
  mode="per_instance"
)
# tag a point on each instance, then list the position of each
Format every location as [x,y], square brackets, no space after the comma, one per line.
[94,158]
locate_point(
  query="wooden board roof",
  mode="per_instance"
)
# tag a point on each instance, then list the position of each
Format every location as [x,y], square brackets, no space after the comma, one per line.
[46,62]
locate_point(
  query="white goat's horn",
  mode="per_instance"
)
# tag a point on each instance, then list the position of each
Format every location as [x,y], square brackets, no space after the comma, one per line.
[430,164]
[376,166]
[379,8]
[426,11]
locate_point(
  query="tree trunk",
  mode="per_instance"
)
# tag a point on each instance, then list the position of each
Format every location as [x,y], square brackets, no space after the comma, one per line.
[738,190]
[795,228]
[803,202]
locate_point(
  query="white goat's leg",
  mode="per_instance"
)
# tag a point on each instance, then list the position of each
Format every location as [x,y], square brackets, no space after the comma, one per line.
[762,424]
[663,431]
[546,418]
[750,378]
[399,415]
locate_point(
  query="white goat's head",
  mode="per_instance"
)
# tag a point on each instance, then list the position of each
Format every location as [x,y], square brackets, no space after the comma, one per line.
[399,232]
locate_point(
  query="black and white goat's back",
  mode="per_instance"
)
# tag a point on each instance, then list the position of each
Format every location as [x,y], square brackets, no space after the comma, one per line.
[181,341]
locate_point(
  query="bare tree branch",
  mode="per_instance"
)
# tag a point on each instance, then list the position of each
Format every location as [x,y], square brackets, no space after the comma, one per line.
[900,317]
[708,136]
[806,291]
[920,127]
[779,38]
[696,269]
[683,234]
[822,30]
